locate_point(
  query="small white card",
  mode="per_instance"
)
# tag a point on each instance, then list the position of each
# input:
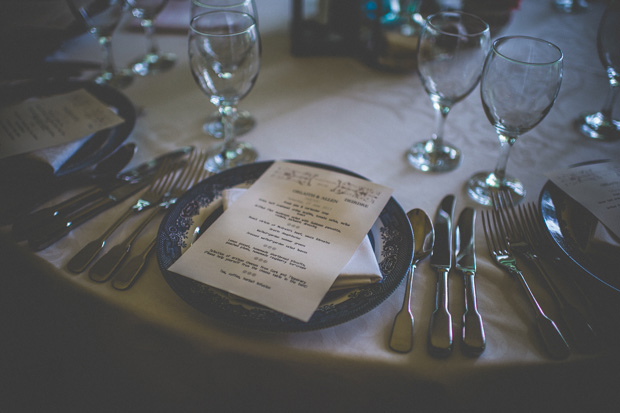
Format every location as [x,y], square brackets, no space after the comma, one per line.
[596,187]
[286,239]
[51,121]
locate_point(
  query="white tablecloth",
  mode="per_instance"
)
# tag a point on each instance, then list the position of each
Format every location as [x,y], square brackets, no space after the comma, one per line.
[78,345]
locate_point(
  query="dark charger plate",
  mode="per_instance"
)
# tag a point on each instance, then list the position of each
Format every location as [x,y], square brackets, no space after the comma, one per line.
[391,237]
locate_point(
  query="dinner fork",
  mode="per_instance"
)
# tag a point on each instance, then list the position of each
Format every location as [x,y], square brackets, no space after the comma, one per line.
[495,236]
[519,221]
[153,194]
[131,269]
[103,269]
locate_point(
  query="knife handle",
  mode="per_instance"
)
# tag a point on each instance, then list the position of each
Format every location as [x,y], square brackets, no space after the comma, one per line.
[61,225]
[440,328]
[473,330]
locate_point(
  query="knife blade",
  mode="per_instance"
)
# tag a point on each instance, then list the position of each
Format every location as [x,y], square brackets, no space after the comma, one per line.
[464,239]
[440,327]
[39,219]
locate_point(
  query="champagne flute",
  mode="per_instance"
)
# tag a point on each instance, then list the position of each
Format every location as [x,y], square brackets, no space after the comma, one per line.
[244,121]
[451,53]
[601,125]
[154,61]
[101,18]
[520,82]
[224,56]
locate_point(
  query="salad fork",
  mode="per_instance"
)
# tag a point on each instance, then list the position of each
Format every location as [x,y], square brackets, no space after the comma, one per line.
[495,235]
[153,194]
[519,223]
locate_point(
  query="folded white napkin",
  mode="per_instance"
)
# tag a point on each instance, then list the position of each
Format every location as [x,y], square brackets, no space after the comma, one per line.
[362,269]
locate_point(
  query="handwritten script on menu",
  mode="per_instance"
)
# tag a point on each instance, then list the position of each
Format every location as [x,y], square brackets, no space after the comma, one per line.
[285,240]
[596,186]
[42,123]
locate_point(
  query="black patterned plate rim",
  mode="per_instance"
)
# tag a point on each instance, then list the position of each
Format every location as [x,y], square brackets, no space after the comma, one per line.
[391,232]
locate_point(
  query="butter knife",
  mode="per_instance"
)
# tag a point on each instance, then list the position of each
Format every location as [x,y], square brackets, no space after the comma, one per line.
[464,240]
[440,327]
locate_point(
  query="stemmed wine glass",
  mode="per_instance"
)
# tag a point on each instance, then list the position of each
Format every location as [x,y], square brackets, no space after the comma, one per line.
[244,122]
[451,53]
[101,18]
[154,61]
[601,125]
[224,56]
[520,82]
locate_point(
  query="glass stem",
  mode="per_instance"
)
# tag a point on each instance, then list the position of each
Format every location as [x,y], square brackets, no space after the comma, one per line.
[504,152]
[611,98]
[229,115]
[441,113]
[107,66]
[149,30]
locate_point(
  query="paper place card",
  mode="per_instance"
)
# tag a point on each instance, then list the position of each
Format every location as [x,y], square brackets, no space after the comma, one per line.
[42,123]
[595,186]
[286,239]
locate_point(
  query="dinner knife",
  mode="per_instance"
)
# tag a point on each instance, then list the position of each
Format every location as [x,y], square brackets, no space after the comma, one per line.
[465,262]
[440,327]
[61,225]
[24,228]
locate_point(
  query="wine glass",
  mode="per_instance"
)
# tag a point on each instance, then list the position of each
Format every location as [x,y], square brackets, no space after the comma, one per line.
[101,18]
[154,61]
[244,121]
[520,82]
[224,56]
[451,53]
[601,125]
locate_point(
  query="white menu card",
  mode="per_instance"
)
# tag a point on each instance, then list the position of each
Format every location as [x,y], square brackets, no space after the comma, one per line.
[50,121]
[596,186]
[285,240]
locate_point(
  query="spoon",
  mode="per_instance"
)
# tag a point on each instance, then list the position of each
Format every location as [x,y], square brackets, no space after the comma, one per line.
[401,338]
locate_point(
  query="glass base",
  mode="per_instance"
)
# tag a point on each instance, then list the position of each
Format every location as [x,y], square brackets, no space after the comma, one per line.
[596,126]
[570,6]
[238,153]
[483,185]
[154,63]
[119,80]
[243,124]
[429,157]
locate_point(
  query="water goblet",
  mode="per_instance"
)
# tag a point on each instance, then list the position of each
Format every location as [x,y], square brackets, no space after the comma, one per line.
[451,52]
[244,122]
[520,82]
[101,18]
[154,61]
[601,125]
[224,56]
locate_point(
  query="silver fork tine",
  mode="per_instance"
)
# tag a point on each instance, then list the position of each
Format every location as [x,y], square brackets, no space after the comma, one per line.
[129,272]
[103,269]
[500,251]
[84,257]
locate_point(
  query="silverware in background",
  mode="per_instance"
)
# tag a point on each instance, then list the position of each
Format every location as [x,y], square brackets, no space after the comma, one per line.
[440,328]
[473,329]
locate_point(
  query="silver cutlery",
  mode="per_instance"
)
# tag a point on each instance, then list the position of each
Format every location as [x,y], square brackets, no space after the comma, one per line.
[440,328]
[401,338]
[520,222]
[103,269]
[473,335]
[151,197]
[495,235]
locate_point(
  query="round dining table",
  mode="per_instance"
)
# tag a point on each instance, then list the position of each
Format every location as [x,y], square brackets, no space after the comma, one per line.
[72,344]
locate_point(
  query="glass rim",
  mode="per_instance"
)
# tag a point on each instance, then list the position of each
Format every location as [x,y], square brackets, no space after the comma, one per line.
[223,7]
[485,25]
[229,12]
[504,39]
